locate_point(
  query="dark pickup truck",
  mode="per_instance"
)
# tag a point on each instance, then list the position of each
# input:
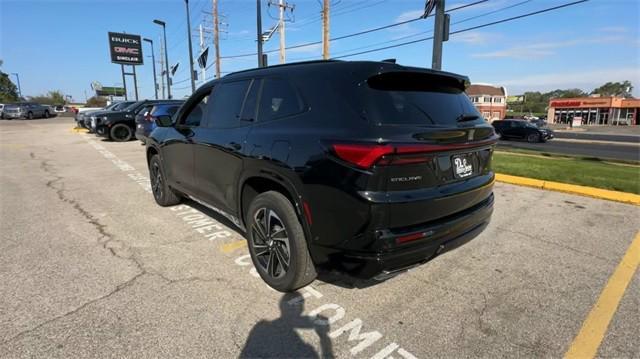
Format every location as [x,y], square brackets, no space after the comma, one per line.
[120,126]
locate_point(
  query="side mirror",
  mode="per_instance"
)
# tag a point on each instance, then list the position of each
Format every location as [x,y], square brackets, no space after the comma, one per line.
[164,121]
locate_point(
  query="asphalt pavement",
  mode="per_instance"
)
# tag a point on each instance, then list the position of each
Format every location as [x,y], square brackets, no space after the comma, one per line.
[91,267]
[597,149]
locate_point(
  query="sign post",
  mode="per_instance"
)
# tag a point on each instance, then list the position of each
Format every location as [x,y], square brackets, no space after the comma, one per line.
[126,49]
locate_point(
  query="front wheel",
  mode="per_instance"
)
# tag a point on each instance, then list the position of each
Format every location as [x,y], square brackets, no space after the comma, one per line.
[162,193]
[277,243]
[46,114]
[30,116]
[533,138]
[121,133]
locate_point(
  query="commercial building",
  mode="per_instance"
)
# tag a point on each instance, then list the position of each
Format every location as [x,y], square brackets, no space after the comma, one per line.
[491,101]
[594,111]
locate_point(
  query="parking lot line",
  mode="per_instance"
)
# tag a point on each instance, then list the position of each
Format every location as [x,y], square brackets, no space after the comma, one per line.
[594,328]
[230,247]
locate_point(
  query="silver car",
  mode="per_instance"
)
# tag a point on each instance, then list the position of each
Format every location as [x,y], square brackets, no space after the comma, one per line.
[26,110]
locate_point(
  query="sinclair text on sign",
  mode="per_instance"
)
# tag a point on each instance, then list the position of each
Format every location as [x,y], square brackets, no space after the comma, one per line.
[125,49]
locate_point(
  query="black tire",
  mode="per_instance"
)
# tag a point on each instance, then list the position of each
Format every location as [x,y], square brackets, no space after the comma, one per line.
[30,116]
[120,133]
[533,138]
[46,114]
[162,193]
[270,242]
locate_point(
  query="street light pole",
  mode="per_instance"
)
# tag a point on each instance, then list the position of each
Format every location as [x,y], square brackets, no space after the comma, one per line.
[259,32]
[166,56]
[19,89]
[153,60]
[193,81]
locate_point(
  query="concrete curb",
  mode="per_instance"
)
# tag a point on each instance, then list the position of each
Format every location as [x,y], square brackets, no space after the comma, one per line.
[616,196]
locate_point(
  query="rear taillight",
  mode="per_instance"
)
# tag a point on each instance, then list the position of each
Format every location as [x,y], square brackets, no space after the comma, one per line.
[367,155]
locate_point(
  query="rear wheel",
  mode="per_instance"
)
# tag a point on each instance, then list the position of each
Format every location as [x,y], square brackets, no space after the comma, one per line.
[533,138]
[121,133]
[277,243]
[30,116]
[162,193]
[46,114]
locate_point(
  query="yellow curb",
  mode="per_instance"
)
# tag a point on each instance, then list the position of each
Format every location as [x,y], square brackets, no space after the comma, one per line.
[616,196]
[79,130]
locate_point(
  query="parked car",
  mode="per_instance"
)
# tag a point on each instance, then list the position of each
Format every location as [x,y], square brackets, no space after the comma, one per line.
[521,129]
[368,168]
[146,119]
[26,110]
[120,126]
[83,119]
[2,110]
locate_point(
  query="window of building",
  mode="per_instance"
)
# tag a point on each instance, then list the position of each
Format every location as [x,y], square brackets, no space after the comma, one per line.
[497,100]
[486,99]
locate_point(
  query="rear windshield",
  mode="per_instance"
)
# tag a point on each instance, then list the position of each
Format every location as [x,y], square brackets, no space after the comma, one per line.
[416,99]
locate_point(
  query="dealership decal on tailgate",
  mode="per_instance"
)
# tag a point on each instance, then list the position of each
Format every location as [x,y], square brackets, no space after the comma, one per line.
[462,166]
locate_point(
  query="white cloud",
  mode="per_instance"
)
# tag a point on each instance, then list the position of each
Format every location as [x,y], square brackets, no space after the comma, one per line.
[311,49]
[544,49]
[613,29]
[475,37]
[587,79]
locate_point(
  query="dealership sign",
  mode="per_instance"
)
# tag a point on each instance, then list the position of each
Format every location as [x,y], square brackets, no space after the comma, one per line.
[125,49]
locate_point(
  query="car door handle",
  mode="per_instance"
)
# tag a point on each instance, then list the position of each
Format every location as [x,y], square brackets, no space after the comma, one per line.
[235,146]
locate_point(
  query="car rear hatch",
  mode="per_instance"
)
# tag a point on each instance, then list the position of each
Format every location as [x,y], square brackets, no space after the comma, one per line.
[432,155]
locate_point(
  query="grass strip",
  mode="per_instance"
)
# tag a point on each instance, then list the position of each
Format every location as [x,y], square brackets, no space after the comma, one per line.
[584,172]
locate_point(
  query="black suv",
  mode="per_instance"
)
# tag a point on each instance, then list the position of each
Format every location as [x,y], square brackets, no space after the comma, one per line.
[521,129]
[368,168]
[120,126]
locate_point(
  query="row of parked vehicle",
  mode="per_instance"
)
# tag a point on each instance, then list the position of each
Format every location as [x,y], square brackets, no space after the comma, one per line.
[25,110]
[121,121]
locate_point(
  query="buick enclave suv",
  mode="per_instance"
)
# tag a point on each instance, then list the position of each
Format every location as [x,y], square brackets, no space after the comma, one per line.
[368,168]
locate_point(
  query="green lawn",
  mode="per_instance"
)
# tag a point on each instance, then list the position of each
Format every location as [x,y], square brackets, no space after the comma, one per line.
[580,171]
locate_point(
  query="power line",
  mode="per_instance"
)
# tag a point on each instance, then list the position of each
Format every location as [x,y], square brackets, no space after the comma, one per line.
[466,29]
[354,34]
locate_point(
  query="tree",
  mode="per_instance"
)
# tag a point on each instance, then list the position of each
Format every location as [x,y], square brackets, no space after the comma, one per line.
[614,89]
[96,102]
[8,90]
[52,98]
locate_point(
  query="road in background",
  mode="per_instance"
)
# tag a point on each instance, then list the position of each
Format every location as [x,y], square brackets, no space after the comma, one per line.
[92,267]
[602,150]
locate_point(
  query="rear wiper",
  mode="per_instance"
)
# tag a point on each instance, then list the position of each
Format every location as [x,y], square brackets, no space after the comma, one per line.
[467,117]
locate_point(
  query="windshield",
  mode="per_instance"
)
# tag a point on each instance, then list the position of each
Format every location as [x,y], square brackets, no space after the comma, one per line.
[132,106]
[416,99]
[121,106]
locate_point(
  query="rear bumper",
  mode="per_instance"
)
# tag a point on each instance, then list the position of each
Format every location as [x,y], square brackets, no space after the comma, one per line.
[439,236]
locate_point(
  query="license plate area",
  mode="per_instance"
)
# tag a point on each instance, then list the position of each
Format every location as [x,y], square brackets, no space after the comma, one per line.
[464,165]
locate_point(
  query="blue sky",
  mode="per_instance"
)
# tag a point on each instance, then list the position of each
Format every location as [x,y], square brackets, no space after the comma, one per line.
[63,44]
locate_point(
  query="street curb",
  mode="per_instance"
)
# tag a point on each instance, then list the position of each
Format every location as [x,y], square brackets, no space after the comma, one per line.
[616,196]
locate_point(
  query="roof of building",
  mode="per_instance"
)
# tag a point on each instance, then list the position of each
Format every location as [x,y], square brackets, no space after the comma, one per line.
[476,89]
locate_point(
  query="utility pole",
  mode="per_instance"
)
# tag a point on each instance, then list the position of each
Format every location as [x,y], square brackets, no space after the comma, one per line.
[193,80]
[204,69]
[440,34]
[216,37]
[162,69]
[18,80]
[259,32]
[282,7]
[166,55]
[325,29]
[153,61]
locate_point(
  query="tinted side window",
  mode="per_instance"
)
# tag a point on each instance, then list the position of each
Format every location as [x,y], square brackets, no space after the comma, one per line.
[196,113]
[226,104]
[279,99]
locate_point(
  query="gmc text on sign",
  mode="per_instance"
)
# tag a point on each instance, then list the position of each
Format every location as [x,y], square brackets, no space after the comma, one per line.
[125,49]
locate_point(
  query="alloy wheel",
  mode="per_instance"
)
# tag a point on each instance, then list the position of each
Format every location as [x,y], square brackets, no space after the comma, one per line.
[156,180]
[270,243]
